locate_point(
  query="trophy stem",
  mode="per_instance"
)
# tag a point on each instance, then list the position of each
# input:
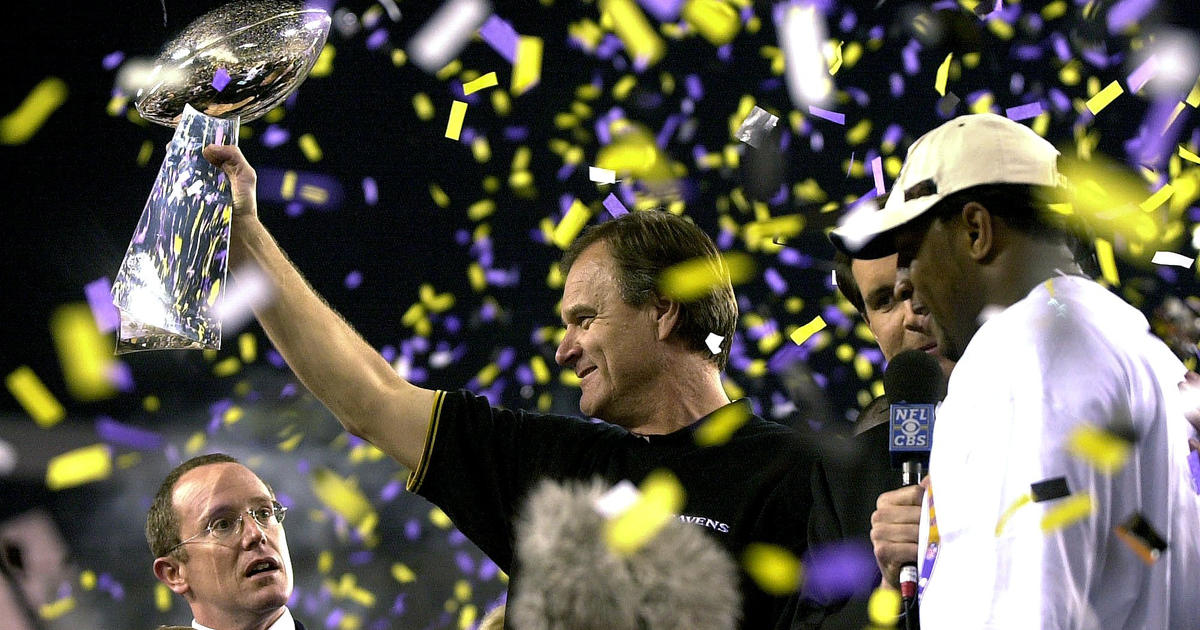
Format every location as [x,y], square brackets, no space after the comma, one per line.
[174,270]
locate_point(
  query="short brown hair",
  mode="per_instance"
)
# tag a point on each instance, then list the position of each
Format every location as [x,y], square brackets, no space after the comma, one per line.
[843,273]
[644,244]
[162,523]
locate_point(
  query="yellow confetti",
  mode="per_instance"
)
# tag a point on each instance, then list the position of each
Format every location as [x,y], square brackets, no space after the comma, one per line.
[25,121]
[715,20]
[227,367]
[1021,501]
[458,110]
[151,403]
[693,279]
[162,597]
[776,570]
[80,466]
[722,425]
[402,574]
[1070,510]
[57,608]
[247,347]
[462,590]
[1104,97]
[1193,97]
[466,617]
[423,105]
[1157,199]
[630,24]
[144,153]
[87,579]
[342,496]
[1188,155]
[439,519]
[439,196]
[324,65]
[34,397]
[195,443]
[802,333]
[527,71]
[310,148]
[1108,263]
[660,501]
[571,224]
[486,81]
[943,74]
[1103,450]
[883,608]
[84,353]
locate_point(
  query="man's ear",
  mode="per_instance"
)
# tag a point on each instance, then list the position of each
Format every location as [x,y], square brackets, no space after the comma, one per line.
[666,314]
[980,230]
[169,571]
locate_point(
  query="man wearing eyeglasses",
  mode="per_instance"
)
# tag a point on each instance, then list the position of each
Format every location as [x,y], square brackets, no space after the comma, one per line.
[217,536]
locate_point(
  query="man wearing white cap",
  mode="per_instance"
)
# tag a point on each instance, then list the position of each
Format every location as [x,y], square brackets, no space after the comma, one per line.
[1021,527]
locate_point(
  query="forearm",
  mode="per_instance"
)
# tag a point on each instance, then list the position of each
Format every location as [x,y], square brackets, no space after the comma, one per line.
[328,356]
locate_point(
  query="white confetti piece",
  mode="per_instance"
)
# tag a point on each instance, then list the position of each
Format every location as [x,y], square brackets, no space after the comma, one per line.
[602,175]
[714,342]
[757,126]
[1171,258]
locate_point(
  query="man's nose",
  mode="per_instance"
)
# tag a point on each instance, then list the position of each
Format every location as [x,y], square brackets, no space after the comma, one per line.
[252,532]
[567,350]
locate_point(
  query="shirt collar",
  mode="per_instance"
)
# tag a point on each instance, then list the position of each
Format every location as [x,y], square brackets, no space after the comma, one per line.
[284,622]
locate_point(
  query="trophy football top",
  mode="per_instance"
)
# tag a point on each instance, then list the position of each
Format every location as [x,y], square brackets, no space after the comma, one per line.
[240,59]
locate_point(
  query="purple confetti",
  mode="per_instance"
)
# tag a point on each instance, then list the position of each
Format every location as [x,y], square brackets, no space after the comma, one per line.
[99,298]
[391,490]
[370,191]
[1127,12]
[1194,467]
[840,570]
[662,10]
[614,206]
[1138,78]
[1024,112]
[220,79]
[377,39]
[121,376]
[274,136]
[465,564]
[354,280]
[412,529]
[119,434]
[112,60]
[501,36]
[877,171]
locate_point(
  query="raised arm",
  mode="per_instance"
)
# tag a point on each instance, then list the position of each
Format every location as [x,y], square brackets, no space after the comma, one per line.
[332,360]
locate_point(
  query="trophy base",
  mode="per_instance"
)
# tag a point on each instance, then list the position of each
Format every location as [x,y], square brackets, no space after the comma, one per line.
[139,337]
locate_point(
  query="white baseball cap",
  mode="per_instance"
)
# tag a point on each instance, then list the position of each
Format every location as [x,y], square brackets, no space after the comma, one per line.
[966,151]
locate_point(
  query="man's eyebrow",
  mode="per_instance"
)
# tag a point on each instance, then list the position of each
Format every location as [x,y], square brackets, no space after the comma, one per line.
[878,293]
[569,314]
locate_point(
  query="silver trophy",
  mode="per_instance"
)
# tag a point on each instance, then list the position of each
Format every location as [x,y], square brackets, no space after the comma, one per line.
[230,66]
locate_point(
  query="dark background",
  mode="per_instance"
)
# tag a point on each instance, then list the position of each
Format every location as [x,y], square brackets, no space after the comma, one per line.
[75,191]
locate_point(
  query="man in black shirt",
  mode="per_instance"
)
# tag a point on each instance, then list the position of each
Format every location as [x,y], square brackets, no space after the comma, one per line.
[853,478]
[649,366]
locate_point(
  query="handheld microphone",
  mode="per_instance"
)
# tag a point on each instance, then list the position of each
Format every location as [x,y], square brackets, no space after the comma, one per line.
[913,383]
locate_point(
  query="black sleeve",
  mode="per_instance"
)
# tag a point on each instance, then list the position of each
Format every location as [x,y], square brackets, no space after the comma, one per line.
[479,462]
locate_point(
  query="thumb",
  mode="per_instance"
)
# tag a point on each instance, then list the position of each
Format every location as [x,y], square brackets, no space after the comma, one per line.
[242,177]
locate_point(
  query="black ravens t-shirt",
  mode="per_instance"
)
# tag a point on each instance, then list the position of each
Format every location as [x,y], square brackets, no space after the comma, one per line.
[480,462]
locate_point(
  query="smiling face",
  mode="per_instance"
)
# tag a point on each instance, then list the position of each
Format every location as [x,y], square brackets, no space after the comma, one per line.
[240,581]
[608,343]
[897,325]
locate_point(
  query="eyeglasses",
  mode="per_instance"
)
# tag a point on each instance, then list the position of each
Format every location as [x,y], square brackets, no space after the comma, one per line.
[227,527]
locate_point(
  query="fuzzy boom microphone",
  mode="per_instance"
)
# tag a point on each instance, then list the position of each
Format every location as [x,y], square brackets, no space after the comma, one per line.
[571,580]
